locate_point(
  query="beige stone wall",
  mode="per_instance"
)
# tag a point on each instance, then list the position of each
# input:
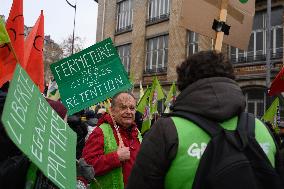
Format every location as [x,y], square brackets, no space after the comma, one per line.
[110,19]
[177,40]
[123,38]
[99,20]
[138,40]
[156,29]
[106,19]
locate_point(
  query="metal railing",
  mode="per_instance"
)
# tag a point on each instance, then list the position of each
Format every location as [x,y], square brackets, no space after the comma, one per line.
[123,29]
[155,70]
[257,58]
[158,18]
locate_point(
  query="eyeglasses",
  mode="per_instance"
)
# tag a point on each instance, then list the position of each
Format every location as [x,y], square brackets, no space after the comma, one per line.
[124,107]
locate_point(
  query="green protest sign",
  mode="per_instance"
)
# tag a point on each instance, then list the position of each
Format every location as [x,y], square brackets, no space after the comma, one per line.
[39,131]
[90,76]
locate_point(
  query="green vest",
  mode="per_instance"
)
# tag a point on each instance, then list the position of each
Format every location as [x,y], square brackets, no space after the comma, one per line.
[192,143]
[113,179]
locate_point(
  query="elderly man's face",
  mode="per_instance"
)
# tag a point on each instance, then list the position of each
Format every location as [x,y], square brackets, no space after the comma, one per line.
[124,110]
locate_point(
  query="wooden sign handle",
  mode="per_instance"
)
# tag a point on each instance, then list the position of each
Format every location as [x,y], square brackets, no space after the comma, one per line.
[223,18]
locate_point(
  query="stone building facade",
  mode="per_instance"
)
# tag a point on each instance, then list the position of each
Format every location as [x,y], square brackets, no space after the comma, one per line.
[150,42]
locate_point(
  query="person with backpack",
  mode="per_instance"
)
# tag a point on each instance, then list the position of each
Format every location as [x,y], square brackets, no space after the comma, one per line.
[207,141]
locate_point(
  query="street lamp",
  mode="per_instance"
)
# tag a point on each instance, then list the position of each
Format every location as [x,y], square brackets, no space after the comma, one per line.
[73,36]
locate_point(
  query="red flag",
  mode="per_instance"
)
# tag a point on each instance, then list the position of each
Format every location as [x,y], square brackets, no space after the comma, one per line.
[33,58]
[15,29]
[277,85]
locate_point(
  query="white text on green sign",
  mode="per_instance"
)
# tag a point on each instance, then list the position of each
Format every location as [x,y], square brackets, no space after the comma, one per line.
[90,76]
[39,132]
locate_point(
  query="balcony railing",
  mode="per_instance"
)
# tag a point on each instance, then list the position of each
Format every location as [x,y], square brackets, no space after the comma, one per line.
[157,18]
[156,70]
[257,58]
[123,29]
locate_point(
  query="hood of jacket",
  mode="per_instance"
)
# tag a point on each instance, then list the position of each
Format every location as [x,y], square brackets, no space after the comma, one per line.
[216,98]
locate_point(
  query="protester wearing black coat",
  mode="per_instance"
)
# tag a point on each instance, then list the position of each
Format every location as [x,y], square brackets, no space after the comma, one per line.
[13,164]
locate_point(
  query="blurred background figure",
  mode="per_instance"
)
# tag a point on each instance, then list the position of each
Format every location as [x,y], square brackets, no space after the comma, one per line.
[91,122]
[281,135]
[77,125]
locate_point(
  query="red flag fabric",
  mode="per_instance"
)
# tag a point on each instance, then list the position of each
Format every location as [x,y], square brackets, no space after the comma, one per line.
[15,29]
[277,85]
[33,58]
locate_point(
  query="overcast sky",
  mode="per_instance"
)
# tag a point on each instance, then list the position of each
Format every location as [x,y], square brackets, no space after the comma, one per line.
[59,17]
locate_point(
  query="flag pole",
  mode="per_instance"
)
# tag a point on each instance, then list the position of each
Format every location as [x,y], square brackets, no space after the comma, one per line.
[73,37]
[223,18]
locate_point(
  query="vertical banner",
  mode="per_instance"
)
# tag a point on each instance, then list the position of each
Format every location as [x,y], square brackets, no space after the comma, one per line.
[90,76]
[39,131]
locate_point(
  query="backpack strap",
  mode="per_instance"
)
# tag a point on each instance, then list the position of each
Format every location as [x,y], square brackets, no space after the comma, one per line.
[248,130]
[210,127]
[250,124]
[245,127]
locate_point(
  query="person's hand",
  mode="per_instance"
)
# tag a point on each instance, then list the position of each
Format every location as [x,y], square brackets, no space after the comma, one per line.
[123,152]
[85,170]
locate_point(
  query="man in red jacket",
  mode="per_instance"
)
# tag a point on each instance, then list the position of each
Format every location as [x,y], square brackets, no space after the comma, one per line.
[113,145]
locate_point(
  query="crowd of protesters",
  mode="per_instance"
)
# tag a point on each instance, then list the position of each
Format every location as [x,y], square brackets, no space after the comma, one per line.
[112,154]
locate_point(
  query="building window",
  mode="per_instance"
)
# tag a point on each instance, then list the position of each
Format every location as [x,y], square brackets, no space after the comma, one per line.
[124,16]
[257,44]
[157,54]
[277,41]
[158,9]
[192,43]
[238,55]
[256,101]
[124,52]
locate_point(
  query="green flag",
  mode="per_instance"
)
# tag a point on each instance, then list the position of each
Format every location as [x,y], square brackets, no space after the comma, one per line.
[141,91]
[155,95]
[131,79]
[271,114]
[146,124]
[170,98]
[4,37]
[144,108]
[107,105]
[144,101]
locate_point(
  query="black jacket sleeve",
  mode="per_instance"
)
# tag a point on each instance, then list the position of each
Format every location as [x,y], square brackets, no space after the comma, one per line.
[158,149]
